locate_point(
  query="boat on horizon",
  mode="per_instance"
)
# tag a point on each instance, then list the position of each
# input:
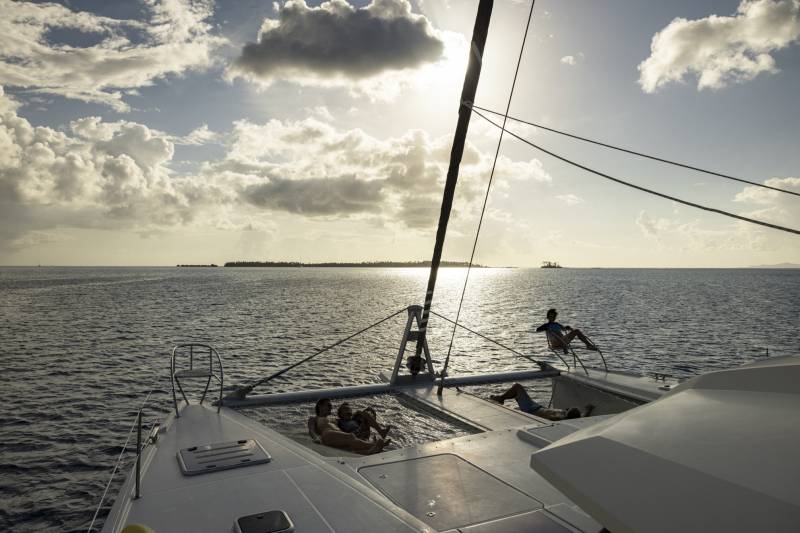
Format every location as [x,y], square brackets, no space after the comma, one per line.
[550,264]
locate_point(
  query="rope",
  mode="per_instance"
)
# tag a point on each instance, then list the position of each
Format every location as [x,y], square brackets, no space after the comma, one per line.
[243,391]
[643,189]
[119,460]
[512,350]
[633,152]
[486,198]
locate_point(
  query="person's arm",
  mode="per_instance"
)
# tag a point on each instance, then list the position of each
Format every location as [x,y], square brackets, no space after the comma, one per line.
[542,328]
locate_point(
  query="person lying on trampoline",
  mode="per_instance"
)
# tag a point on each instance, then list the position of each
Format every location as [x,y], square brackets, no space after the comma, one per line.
[559,339]
[531,406]
[330,435]
[360,423]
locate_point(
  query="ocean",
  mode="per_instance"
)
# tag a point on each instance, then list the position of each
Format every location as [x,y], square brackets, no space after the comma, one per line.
[80,348]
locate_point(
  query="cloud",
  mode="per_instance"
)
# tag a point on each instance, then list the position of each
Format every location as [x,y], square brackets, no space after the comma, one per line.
[118,175]
[767,205]
[571,199]
[568,60]
[338,195]
[773,206]
[368,51]
[719,49]
[311,168]
[650,226]
[98,174]
[130,54]
[339,40]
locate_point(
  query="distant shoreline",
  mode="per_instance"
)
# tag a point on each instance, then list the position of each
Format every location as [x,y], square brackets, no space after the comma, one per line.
[368,264]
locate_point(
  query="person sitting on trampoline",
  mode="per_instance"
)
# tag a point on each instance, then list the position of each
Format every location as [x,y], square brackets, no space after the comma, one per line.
[558,338]
[360,423]
[531,406]
[332,436]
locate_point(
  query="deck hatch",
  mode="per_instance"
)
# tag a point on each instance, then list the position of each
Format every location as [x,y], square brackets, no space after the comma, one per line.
[447,492]
[221,456]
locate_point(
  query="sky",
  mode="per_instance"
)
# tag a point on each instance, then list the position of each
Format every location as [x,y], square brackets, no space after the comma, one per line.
[150,132]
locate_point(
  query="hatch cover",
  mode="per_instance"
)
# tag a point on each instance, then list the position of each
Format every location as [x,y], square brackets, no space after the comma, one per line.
[447,492]
[221,456]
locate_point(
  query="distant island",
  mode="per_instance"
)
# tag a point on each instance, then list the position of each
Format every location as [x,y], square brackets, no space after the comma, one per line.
[197,266]
[550,264]
[371,264]
[779,265]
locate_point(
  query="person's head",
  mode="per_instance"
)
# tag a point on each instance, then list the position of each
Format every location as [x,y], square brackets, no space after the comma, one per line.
[345,412]
[323,407]
[573,412]
[551,315]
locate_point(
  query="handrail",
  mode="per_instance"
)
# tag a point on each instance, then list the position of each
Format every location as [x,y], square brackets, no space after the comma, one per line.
[567,348]
[137,421]
[174,377]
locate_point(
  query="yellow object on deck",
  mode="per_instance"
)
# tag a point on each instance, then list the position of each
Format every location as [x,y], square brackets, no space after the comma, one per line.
[137,528]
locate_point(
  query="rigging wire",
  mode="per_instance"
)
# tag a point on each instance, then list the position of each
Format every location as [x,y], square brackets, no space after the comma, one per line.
[542,364]
[628,184]
[243,391]
[486,198]
[633,152]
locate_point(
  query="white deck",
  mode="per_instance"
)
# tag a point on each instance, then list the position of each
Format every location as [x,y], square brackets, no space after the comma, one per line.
[316,496]
[331,494]
[485,415]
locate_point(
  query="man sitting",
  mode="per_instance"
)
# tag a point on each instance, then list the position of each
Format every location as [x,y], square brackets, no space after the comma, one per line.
[558,338]
[361,422]
[330,435]
[530,406]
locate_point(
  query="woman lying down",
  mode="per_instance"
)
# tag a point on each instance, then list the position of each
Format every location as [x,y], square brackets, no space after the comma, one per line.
[351,432]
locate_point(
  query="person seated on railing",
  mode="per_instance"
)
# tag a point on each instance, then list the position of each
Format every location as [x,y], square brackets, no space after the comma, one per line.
[559,339]
[360,423]
[531,406]
[330,435]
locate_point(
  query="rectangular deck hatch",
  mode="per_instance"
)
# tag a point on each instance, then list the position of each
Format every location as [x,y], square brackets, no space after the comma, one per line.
[447,492]
[221,456]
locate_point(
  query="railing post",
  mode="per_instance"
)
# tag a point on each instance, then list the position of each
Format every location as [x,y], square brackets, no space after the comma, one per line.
[138,455]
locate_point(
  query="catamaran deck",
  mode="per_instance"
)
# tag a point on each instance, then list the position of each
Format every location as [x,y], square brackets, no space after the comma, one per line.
[350,493]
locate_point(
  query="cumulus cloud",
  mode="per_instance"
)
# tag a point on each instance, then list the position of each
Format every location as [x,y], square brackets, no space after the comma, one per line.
[337,39]
[759,203]
[98,174]
[118,175]
[368,50]
[721,49]
[773,206]
[572,60]
[311,168]
[129,54]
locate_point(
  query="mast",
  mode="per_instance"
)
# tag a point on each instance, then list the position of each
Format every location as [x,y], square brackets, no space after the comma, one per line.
[479,33]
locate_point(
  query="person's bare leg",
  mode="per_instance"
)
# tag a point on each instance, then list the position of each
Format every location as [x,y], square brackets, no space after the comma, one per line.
[578,333]
[346,441]
[510,394]
[371,422]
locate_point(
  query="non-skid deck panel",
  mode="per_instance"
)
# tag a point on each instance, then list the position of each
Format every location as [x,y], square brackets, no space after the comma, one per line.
[316,497]
[470,408]
[501,454]
[446,492]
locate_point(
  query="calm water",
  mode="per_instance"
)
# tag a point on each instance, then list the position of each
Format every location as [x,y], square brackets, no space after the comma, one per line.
[81,347]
